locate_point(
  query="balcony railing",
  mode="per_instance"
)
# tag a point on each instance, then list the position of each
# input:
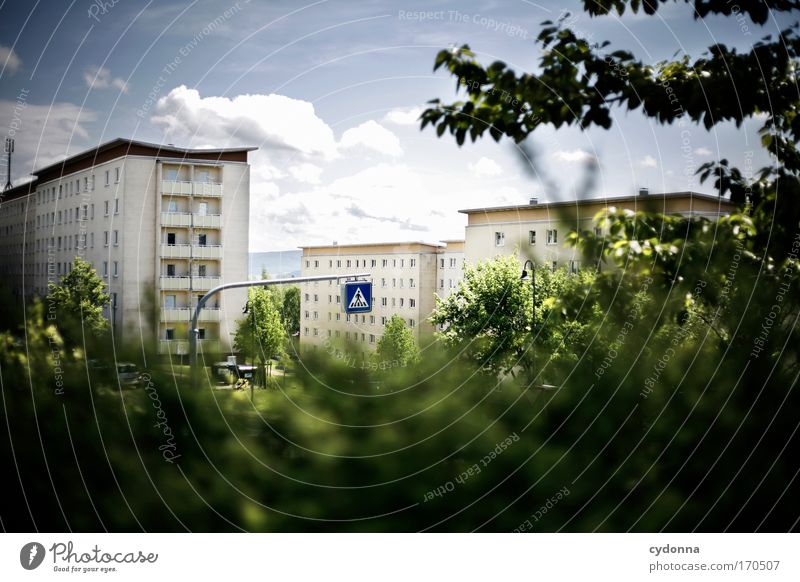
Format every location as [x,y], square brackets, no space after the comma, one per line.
[207,189]
[205,283]
[184,314]
[189,219]
[176,188]
[181,347]
[174,283]
[182,251]
[207,251]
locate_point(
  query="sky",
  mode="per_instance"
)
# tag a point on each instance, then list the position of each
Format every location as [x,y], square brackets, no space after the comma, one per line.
[329,91]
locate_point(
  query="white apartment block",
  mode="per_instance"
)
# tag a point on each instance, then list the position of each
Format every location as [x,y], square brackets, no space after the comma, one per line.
[538,231]
[406,277]
[157,223]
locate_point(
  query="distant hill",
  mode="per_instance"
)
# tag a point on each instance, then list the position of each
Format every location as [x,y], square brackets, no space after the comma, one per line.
[277,263]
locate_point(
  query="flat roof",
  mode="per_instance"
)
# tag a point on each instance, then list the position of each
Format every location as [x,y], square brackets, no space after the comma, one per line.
[114,143]
[373,244]
[609,201]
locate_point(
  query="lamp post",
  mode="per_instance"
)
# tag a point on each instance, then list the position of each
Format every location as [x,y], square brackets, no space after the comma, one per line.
[532,277]
[524,277]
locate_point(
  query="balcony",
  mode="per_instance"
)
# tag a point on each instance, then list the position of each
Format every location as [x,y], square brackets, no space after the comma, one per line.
[207,251]
[184,314]
[205,283]
[181,347]
[189,219]
[176,219]
[176,188]
[207,189]
[174,283]
[176,251]
[208,220]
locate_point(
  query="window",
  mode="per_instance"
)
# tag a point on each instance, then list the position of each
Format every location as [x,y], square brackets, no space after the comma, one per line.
[555,265]
[201,333]
[307,296]
[384,262]
[116,175]
[170,238]
[598,231]
[372,319]
[305,331]
[172,206]
[116,268]
[105,268]
[86,184]
[169,333]
[169,300]
[316,297]
[116,238]
[202,239]
[307,264]
[85,211]
[413,263]
[338,263]
[316,331]
[531,237]
[338,318]
[316,264]
[316,315]
[441,263]
[348,262]
[394,302]
[384,301]
[170,270]
[411,283]
[116,205]
[552,236]
[412,302]
[401,282]
[91,239]
[201,270]
[499,241]
[574,266]
[452,263]
[338,299]
[441,283]
[105,238]
[372,338]
[108,177]
[306,314]
[383,320]
[383,282]
[374,263]
[172,174]
[59,217]
[411,323]
[394,282]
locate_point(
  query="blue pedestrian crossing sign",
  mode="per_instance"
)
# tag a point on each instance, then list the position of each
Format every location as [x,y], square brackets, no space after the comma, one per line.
[357,297]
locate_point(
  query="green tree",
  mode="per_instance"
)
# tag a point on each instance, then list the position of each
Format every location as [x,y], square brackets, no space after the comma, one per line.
[75,304]
[488,317]
[261,331]
[397,344]
[290,310]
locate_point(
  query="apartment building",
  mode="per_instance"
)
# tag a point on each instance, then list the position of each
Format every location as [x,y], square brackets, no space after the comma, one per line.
[406,277]
[538,230]
[155,221]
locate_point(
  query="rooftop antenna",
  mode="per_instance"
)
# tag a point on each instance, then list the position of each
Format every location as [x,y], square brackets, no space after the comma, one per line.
[9,151]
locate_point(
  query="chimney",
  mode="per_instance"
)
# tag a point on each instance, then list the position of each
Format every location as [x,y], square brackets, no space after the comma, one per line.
[533,201]
[644,191]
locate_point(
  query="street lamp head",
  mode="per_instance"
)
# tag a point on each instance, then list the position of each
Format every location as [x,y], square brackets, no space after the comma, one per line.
[524,276]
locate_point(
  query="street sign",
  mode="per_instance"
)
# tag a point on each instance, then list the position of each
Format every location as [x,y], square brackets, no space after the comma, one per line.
[357,297]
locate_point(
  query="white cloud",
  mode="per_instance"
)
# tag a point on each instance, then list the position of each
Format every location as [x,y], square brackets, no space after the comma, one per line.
[279,125]
[403,116]
[577,155]
[100,78]
[648,162]
[308,173]
[374,136]
[9,60]
[485,168]
[705,152]
[45,134]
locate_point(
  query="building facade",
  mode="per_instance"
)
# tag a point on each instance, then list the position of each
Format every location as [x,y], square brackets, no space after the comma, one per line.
[406,278]
[537,231]
[160,224]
